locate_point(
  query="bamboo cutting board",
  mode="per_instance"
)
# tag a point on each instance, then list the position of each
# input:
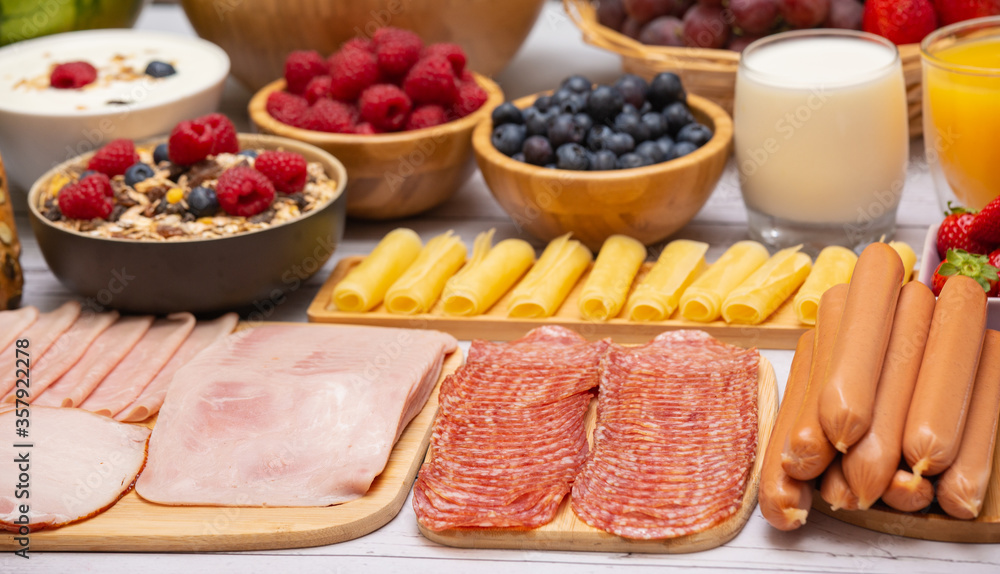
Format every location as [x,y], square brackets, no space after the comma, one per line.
[780,331]
[567,532]
[135,525]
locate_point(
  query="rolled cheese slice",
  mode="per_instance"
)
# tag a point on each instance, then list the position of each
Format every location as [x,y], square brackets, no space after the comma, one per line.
[907,255]
[833,265]
[487,276]
[702,301]
[656,297]
[766,289]
[617,264]
[365,286]
[421,285]
[548,283]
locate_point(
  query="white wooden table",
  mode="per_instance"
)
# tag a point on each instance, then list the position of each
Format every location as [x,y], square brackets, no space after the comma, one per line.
[553,50]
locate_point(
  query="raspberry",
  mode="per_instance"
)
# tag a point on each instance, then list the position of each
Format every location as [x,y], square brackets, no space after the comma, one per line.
[194,140]
[88,198]
[471,97]
[285,170]
[451,52]
[72,75]
[467,76]
[224,133]
[330,116]
[302,66]
[319,87]
[287,108]
[397,51]
[114,158]
[431,81]
[244,191]
[359,43]
[427,116]
[385,106]
[351,71]
[365,128]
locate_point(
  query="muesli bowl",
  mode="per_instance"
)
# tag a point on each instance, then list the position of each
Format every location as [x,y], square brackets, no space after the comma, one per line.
[253,266]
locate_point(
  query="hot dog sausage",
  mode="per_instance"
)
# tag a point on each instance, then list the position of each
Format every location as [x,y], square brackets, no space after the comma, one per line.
[940,404]
[848,397]
[870,463]
[808,452]
[962,487]
[784,501]
[908,492]
[835,490]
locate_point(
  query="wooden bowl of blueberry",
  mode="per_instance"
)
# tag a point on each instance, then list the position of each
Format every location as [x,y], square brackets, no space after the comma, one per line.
[635,158]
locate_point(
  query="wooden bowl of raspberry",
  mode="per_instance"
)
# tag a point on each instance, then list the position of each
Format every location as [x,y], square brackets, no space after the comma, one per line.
[398,113]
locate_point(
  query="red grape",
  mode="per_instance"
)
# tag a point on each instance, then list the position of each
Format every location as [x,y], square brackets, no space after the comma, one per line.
[705,27]
[804,13]
[710,2]
[845,14]
[611,13]
[739,43]
[646,10]
[663,31]
[631,27]
[680,7]
[755,16]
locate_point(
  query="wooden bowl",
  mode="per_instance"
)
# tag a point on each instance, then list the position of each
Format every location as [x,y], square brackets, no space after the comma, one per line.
[398,174]
[258,34]
[647,203]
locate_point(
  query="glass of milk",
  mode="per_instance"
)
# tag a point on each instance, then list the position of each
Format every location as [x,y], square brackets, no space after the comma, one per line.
[821,138]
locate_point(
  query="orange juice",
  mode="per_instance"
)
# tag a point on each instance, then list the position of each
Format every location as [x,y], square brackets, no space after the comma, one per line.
[962,117]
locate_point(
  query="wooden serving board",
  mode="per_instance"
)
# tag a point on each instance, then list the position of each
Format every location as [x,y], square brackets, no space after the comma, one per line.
[780,331]
[135,525]
[567,532]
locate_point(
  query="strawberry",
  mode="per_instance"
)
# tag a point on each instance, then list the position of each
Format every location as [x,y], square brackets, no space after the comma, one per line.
[994,258]
[900,21]
[951,11]
[985,227]
[961,262]
[954,232]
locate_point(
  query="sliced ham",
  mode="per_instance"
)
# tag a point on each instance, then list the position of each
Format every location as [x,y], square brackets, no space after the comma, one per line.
[13,323]
[289,415]
[101,358]
[140,366]
[41,334]
[78,464]
[204,334]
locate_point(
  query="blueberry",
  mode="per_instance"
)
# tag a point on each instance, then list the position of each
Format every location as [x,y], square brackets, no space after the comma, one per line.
[138,172]
[506,113]
[656,124]
[543,103]
[620,143]
[605,103]
[632,125]
[633,88]
[604,159]
[158,69]
[536,121]
[577,83]
[695,133]
[677,115]
[683,148]
[509,138]
[651,151]
[160,153]
[551,166]
[645,108]
[538,151]
[248,153]
[575,104]
[572,156]
[202,202]
[597,137]
[584,121]
[631,160]
[565,130]
[560,96]
[665,89]
[666,145]
[630,109]
[518,157]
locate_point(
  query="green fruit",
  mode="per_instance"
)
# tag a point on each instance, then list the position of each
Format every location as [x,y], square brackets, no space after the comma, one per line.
[25,19]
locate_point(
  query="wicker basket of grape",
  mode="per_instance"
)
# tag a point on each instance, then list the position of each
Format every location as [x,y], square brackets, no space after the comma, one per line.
[707,56]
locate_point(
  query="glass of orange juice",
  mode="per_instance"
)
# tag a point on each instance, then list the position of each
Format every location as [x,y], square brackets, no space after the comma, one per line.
[961,108]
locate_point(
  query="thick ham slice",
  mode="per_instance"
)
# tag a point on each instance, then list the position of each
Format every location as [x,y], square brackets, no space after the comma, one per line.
[13,323]
[79,464]
[289,415]
[42,334]
[204,334]
[101,358]
[140,366]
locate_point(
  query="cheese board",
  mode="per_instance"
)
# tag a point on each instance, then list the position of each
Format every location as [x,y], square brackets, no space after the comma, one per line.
[135,525]
[567,532]
[780,331]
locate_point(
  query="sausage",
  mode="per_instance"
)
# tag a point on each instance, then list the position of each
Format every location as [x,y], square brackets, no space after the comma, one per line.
[940,404]
[848,396]
[835,490]
[962,487]
[784,501]
[808,452]
[908,492]
[870,463]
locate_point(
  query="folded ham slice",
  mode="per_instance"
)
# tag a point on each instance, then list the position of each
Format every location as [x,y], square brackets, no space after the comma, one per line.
[204,334]
[140,366]
[79,464]
[289,415]
[13,323]
[42,334]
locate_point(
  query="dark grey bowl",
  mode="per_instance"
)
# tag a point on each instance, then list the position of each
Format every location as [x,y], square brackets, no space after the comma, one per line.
[257,269]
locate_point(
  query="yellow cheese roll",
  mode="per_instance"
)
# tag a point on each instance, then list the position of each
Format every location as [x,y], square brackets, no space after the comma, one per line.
[365,286]
[659,292]
[421,284]
[548,283]
[485,279]
[607,286]
[766,289]
[834,265]
[702,301]
[907,255]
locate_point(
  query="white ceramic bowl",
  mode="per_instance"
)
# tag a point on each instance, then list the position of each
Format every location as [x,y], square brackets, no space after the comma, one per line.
[40,128]
[929,261]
